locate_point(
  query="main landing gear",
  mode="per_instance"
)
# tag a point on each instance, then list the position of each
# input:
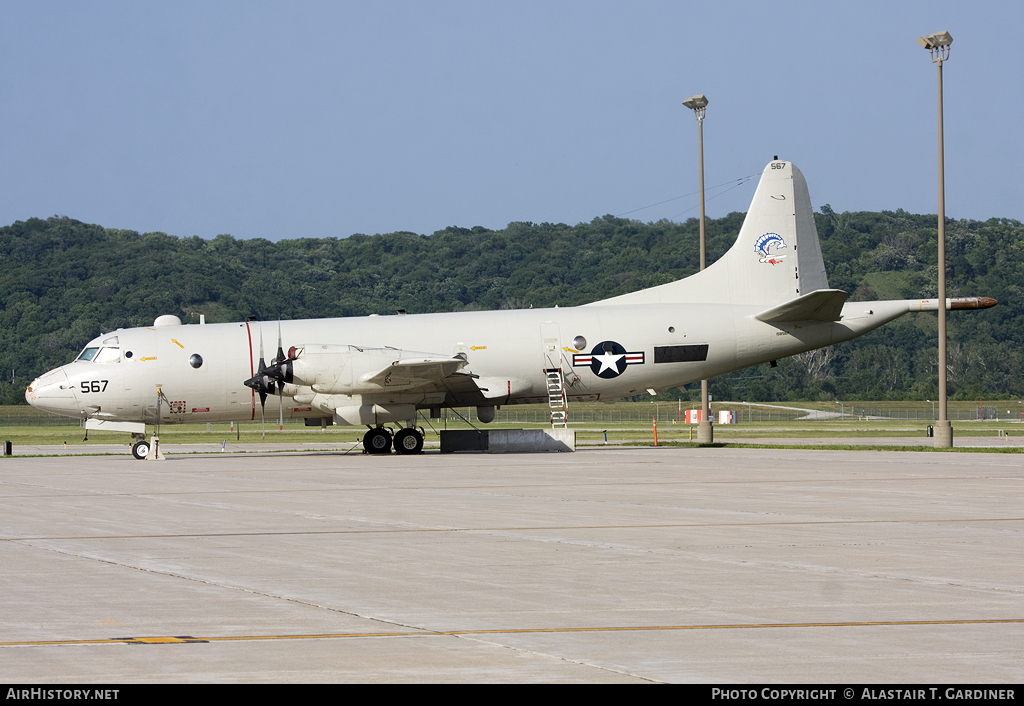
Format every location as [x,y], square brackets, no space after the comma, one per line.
[409,441]
[378,440]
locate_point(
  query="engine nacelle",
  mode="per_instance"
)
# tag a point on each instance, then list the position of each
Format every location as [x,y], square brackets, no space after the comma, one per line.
[374,414]
[358,410]
[325,368]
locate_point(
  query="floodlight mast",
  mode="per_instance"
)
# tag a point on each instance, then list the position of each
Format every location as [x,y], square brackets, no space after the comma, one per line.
[938,47]
[698,104]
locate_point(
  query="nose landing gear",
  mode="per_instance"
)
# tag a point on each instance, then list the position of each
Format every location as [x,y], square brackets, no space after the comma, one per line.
[140,449]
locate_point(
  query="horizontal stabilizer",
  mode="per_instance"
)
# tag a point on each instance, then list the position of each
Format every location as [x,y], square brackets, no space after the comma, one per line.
[819,305]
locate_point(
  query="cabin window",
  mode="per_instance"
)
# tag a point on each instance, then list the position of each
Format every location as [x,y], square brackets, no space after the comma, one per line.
[108,354]
[87,354]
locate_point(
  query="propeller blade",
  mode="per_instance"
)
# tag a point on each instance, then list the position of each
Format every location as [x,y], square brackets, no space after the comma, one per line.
[271,379]
[280,362]
[262,389]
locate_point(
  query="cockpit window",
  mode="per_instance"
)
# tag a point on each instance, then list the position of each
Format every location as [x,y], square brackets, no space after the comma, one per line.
[87,354]
[108,354]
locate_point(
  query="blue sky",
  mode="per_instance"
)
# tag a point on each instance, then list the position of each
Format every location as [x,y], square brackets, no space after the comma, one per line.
[315,119]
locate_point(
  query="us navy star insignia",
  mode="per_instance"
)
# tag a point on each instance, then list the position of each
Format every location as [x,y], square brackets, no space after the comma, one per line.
[608,359]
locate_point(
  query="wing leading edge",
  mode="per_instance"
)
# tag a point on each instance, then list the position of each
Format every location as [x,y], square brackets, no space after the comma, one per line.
[410,373]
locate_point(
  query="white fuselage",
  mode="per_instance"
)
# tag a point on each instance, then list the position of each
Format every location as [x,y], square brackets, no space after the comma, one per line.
[507,355]
[767,297]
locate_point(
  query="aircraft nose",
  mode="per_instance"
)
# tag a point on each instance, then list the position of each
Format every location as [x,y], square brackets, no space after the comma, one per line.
[51,392]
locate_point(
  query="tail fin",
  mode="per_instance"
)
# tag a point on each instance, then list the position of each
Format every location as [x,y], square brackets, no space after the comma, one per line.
[775,258]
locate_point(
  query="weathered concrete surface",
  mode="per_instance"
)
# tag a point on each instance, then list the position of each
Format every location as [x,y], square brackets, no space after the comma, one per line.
[603,565]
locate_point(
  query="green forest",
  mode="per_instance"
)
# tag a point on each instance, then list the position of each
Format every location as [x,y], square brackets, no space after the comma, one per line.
[63,282]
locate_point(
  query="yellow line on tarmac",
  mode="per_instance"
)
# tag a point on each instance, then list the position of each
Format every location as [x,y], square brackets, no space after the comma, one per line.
[184,639]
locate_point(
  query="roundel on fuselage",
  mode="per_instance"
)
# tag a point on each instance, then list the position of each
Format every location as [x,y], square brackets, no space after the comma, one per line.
[608,359]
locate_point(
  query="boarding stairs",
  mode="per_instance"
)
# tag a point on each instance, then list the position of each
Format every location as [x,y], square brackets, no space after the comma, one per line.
[557,402]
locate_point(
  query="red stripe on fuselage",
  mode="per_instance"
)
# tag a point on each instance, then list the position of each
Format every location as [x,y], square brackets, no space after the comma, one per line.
[252,372]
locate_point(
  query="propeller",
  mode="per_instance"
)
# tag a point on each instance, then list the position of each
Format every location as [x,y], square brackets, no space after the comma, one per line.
[271,379]
[280,360]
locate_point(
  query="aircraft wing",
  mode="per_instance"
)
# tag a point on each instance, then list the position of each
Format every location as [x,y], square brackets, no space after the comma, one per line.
[819,305]
[410,373]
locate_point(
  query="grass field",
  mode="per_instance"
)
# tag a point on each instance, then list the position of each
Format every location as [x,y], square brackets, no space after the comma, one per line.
[625,422]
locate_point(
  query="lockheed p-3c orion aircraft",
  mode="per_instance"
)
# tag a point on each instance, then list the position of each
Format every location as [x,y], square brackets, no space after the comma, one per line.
[766,298]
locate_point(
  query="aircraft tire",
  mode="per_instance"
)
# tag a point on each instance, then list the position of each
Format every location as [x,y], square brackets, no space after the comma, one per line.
[140,449]
[409,441]
[377,441]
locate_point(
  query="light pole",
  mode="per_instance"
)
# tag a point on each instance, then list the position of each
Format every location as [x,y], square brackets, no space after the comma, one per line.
[698,103]
[938,47]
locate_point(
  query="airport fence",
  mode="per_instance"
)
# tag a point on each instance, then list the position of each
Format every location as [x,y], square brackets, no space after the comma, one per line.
[539,414]
[626,413]
[34,418]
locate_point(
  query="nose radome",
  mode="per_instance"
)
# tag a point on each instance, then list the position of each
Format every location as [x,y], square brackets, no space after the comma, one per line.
[57,375]
[51,393]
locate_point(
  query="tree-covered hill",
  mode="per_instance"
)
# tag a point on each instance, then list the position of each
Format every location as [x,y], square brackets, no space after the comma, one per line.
[62,282]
